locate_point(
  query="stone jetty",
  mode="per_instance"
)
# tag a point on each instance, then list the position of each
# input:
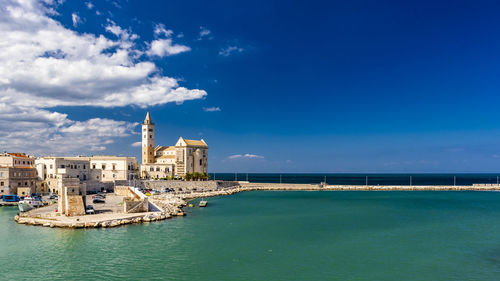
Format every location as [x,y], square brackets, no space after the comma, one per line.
[171,204]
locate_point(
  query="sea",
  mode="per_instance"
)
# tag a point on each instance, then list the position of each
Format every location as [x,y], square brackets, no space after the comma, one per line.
[363,179]
[276,235]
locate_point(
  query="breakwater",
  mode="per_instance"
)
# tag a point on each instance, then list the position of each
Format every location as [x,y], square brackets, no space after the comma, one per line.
[171,204]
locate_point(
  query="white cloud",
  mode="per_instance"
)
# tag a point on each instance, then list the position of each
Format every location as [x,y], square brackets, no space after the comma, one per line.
[161,30]
[204,32]
[229,50]
[76,19]
[165,47]
[136,144]
[89,5]
[41,131]
[45,65]
[246,156]
[211,109]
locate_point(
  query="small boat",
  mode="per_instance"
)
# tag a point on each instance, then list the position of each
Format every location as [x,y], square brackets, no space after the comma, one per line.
[29,203]
[203,203]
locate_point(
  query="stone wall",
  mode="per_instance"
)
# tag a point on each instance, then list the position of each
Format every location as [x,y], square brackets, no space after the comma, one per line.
[178,185]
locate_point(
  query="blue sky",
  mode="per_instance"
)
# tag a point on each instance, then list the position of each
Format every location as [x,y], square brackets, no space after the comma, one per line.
[293,86]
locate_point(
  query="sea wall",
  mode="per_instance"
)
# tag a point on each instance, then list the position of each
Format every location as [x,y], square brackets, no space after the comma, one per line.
[181,186]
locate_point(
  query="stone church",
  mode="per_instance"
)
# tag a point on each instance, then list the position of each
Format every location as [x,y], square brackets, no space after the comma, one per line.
[187,156]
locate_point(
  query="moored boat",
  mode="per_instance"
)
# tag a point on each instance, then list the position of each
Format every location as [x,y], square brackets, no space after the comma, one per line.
[29,203]
[203,203]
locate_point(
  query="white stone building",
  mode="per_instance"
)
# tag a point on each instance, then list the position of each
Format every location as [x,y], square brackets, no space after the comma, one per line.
[187,156]
[92,170]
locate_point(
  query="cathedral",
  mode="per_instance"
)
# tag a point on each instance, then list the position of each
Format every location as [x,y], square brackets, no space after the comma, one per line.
[187,156]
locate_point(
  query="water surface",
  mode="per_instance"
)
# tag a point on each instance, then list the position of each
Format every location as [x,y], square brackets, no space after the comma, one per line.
[320,235]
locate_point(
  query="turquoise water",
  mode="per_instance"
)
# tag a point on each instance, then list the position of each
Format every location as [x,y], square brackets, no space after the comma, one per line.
[276,236]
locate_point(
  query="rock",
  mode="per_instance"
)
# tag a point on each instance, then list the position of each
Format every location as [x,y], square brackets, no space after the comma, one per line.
[47,224]
[52,225]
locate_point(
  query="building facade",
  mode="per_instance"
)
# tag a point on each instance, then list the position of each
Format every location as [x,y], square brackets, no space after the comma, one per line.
[17,172]
[187,156]
[91,170]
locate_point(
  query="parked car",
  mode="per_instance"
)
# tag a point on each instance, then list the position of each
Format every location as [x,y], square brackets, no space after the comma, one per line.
[98,199]
[102,194]
[89,210]
[53,197]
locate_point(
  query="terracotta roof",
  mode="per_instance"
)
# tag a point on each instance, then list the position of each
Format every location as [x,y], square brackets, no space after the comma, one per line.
[19,155]
[196,142]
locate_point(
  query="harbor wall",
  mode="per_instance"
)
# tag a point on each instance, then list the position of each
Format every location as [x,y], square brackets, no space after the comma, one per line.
[178,185]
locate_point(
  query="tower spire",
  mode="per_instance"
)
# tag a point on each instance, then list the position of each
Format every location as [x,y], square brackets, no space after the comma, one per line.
[148,121]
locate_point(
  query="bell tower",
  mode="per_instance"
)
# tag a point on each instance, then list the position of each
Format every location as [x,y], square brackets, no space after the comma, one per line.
[148,141]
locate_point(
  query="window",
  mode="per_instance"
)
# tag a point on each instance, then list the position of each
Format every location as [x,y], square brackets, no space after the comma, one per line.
[93,166]
[62,166]
[150,130]
[144,130]
[114,167]
[150,136]
[103,176]
[201,162]
[1,174]
[25,183]
[103,166]
[157,169]
[18,184]
[84,167]
[151,169]
[51,166]
[1,184]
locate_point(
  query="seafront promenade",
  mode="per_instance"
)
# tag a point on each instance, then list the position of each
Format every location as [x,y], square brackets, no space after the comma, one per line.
[171,204]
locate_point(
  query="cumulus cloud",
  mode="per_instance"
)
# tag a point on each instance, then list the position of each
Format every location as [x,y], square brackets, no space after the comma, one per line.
[227,51]
[246,156]
[211,109]
[44,65]
[165,47]
[162,47]
[43,132]
[89,5]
